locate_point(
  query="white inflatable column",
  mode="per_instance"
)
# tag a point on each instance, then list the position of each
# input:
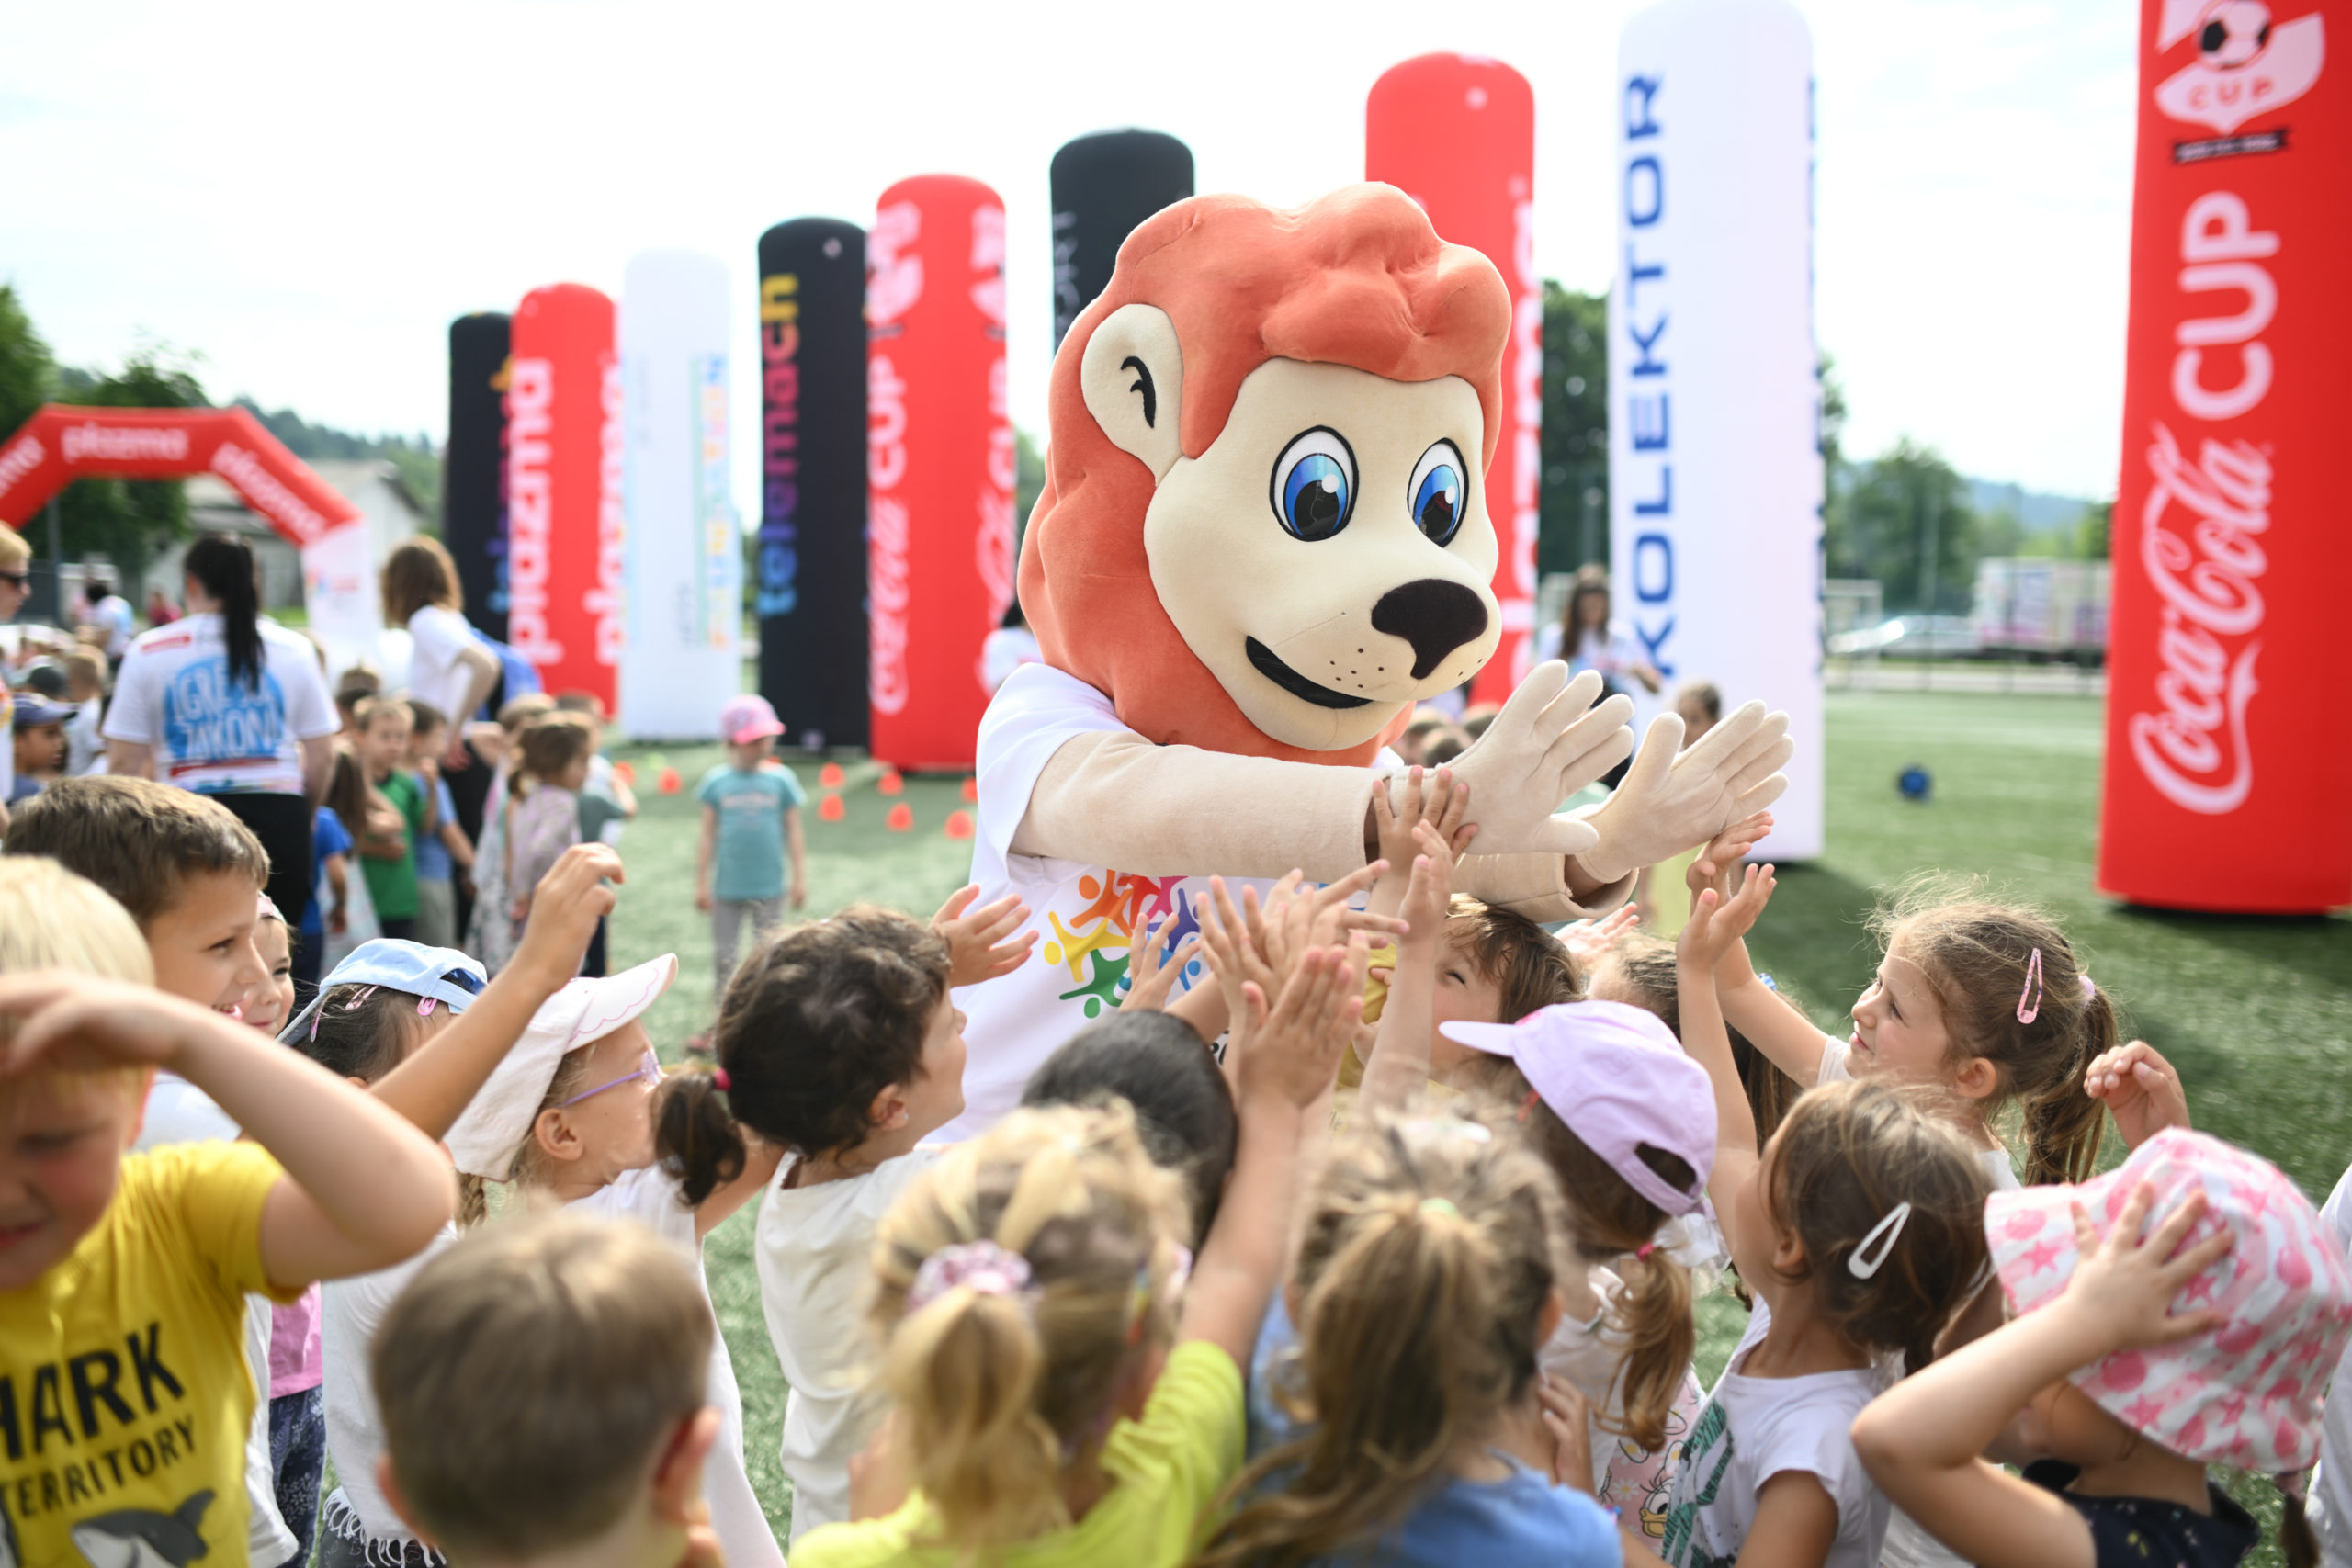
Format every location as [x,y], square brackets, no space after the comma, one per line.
[1715,461]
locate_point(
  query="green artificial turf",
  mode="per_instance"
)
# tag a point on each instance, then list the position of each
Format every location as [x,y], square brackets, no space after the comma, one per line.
[2255,1012]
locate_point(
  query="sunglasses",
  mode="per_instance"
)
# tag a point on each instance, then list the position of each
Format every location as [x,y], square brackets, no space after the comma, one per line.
[649,1070]
[16,579]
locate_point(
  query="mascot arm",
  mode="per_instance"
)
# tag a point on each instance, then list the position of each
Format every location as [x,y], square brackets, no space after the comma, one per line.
[1115,799]
[1536,886]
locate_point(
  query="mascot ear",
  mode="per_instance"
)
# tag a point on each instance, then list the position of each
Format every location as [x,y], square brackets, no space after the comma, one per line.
[1133,376]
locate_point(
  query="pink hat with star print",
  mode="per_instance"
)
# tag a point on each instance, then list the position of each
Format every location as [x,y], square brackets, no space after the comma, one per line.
[2246,1394]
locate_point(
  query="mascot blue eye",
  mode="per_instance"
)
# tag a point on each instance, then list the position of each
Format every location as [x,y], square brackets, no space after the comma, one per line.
[1314,490]
[1436,489]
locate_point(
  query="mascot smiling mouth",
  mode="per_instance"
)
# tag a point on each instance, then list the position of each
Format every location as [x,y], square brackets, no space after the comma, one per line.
[1262,659]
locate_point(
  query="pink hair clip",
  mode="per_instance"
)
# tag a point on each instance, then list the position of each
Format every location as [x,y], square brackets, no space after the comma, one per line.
[983,1267]
[425,1007]
[1644,1251]
[2029,996]
[718,1076]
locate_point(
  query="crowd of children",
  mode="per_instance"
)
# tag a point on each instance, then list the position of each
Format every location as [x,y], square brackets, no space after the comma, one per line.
[1380,1243]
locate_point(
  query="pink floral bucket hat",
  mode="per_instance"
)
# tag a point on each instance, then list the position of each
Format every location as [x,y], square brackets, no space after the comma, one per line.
[2248,1393]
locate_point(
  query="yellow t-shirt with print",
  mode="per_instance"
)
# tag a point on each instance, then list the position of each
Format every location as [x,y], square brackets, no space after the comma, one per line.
[124,1393]
[1168,1468]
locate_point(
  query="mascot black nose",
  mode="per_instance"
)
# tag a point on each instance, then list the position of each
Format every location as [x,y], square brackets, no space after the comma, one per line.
[1434,615]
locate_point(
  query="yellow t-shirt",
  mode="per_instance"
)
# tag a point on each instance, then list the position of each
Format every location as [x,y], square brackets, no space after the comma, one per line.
[124,1393]
[1169,1466]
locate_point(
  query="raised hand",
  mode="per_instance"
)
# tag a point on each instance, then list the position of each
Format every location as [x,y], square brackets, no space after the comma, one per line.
[2124,1287]
[1549,741]
[1671,799]
[78,1023]
[1154,970]
[1443,802]
[1588,941]
[564,908]
[976,948]
[1291,1050]
[1716,922]
[2141,1091]
[1718,860]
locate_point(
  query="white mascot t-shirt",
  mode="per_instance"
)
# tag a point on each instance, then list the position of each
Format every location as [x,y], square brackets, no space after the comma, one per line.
[1088,916]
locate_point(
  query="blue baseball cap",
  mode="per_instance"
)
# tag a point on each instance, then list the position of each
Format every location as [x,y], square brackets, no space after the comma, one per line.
[442,974]
[33,710]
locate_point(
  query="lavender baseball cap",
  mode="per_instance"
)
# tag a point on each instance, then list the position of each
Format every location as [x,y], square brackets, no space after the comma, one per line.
[1617,1079]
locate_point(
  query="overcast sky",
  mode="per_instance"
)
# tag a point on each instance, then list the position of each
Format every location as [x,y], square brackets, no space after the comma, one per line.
[307,195]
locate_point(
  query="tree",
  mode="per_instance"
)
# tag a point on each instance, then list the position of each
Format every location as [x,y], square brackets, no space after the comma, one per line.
[1573,496]
[28,375]
[414,458]
[127,521]
[1903,519]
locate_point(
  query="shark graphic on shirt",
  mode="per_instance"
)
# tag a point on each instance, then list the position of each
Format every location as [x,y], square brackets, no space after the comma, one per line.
[134,1538]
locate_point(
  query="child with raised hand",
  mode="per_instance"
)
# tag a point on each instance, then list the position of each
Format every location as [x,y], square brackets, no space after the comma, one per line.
[1427,1276]
[1858,1231]
[838,1048]
[1030,1286]
[1988,1002]
[160,1247]
[569,1116]
[544,1397]
[2135,1358]
[1626,1123]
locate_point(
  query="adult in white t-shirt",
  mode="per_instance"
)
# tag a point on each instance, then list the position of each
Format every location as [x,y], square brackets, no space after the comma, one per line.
[109,613]
[227,703]
[450,668]
[1589,639]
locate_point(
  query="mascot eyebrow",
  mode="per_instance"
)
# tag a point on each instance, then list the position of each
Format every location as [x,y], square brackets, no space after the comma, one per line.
[1143,384]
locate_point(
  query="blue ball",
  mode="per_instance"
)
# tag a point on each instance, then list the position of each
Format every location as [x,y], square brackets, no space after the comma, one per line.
[1915,783]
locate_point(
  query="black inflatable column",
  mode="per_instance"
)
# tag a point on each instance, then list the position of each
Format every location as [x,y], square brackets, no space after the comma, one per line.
[473,489]
[809,582]
[1104,186]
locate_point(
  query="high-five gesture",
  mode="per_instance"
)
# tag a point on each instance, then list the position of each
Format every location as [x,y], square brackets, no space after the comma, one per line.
[1671,799]
[1549,741]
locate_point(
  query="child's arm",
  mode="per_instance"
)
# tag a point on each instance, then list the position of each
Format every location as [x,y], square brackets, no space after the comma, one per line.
[339,884]
[1442,802]
[1795,1523]
[976,949]
[1289,1056]
[363,1190]
[1400,1053]
[705,857]
[1710,930]
[2141,1091]
[1789,1040]
[625,797]
[1923,1440]
[796,849]
[432,1087]
[760,1161]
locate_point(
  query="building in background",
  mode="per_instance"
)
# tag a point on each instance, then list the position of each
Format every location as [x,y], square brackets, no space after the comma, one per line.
[372,484]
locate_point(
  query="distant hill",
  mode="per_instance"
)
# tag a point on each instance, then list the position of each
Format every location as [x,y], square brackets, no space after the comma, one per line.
[419,464]
[2036,512]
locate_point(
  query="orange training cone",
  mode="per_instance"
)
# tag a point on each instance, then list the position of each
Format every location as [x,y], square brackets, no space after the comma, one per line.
[626,773]
[669,783]
[829,776]
[972,791]
[959,824]
[829,809]
[890,783]
[901,817]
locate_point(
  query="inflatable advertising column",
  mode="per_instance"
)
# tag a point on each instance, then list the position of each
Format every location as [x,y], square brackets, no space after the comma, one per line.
[683,544]
[1456,132]
[473,481]
[1104,186]
[939,465]
[809,587]
[1714,454]
[564,490]
[2228,780]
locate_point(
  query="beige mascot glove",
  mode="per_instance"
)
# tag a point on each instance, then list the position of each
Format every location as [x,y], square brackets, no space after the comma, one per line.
[1671,799]
[1542,748]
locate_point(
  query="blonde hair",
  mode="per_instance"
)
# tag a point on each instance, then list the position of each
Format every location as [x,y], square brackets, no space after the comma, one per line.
[1431,1251]
[14,551]
[528,1376]
[995,1390]
[51,918]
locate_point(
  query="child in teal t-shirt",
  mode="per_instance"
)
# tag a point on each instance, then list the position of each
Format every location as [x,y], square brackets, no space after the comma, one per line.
[751,821]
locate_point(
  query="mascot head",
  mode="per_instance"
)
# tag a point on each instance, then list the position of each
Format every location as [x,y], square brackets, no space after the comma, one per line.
[1265,523]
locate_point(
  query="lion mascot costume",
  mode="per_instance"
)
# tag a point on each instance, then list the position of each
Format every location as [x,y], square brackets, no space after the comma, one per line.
[1263,538]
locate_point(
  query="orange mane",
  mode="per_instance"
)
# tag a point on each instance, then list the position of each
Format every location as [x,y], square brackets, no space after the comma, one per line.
[1357,279]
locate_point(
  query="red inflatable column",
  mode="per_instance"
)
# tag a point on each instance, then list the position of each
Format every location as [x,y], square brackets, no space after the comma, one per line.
[939,465]
[563,489]
[2229,782]
[1456,132]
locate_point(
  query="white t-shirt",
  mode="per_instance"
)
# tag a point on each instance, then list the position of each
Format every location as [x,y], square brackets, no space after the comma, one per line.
[1087,914]
[113,612]
[349,1312]
[650,1198]
[2330,1497]
[212,735]
[85,748]
[436,670]
[814,1252]
[1836,1067]
[1753,1429]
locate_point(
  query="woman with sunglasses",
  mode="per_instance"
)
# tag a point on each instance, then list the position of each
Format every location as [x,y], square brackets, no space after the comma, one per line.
[568,1117]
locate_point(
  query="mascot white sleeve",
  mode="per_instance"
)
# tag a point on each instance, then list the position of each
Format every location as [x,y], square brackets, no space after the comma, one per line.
[1263,538]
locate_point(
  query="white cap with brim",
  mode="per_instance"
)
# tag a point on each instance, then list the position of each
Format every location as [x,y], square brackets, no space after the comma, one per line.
[490,1133]
[1617,1079]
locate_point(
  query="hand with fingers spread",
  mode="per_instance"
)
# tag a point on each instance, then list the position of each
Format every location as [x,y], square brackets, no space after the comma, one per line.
[1719,858]
[1670,798]
[978,948]
[1402,802]
[1154,970]
[1550,740]
[1716,922]
[1289,1049]
[1588,941]
[2141,1091]
[2124,1287]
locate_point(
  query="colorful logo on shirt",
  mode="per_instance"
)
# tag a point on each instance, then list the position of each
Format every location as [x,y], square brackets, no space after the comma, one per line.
[209,718]
[1118,904]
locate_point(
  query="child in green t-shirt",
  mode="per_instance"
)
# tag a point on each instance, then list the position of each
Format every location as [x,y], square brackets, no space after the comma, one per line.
[390,860]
